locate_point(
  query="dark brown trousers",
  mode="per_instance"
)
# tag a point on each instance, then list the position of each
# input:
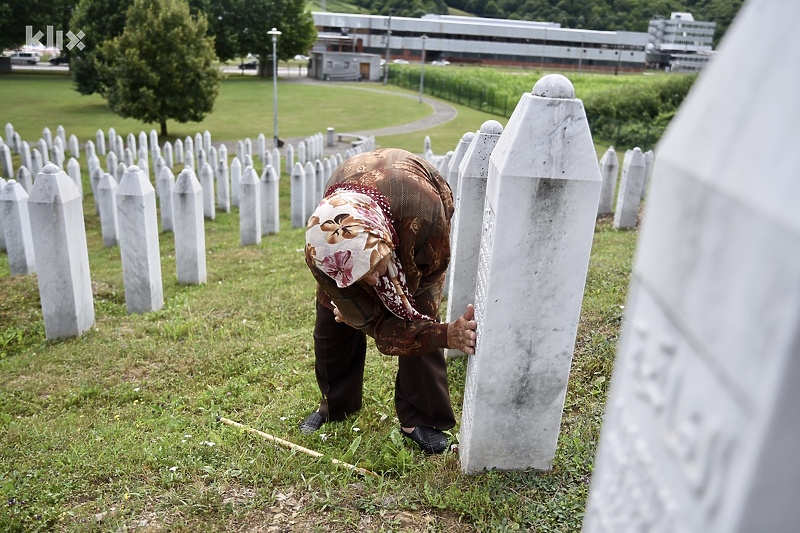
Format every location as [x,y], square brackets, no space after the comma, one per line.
[421,396]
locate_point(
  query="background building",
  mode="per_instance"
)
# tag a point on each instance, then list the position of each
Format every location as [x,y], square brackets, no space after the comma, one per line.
[680,44]
[482,40]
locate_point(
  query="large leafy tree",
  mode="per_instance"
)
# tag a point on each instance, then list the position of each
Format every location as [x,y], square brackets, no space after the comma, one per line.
[100,21]
[290,17]
[161,67]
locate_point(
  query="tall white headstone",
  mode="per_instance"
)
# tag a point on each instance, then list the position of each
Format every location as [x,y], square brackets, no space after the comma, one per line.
[249,208]
[701,430]
[455,162]
[270,219]
[311,189]
[107,203]
[178,152]
[236,178]
[25,155]
[112,139]
[289,151]
[165,184]
[223,187]
[190,237]
[276,161]
[74,172]
[7,164]
[62,258]
[207,141]
[74,147]
[100,143]
[465,226]
[298,197]
[649,163]
[609,170]
[207,183]
[25,179]
[169,158]
[16,227]
[538,224]
[626,214]
[138,242]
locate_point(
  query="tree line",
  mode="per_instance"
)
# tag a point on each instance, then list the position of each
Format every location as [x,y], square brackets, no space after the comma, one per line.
[620,15]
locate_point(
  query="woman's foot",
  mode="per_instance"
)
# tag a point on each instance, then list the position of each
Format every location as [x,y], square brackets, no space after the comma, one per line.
[312,423]
[429,439]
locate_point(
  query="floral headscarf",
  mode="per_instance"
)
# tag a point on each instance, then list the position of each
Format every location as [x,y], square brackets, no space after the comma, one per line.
[349,233]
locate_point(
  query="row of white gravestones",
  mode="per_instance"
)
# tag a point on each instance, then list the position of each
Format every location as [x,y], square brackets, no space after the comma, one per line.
[538,223]
[637,168]
[307,187]
[701,431]
[466,228]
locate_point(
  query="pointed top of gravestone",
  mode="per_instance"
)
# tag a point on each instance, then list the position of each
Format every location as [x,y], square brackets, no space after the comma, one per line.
[13,191]
[52,185]
[467,137]
[249,176]
[554,86]
[134,183]
[187,182]
[236,164]
[491,127]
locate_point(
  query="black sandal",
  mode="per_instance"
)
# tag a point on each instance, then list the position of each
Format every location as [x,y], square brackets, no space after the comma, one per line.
[312,423]
[429,439]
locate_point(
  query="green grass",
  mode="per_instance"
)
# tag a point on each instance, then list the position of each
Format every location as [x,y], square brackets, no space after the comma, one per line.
[113,430]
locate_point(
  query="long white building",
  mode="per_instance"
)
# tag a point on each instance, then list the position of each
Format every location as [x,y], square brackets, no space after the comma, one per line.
[481,40]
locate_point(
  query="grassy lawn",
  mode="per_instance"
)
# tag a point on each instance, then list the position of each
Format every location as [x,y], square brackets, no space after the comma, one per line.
[117,429]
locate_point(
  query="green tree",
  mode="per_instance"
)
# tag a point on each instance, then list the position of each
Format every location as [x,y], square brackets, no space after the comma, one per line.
[100,21]
[161,67]
[296,25]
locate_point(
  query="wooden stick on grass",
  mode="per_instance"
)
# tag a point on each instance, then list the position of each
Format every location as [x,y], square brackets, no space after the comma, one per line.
[292,446]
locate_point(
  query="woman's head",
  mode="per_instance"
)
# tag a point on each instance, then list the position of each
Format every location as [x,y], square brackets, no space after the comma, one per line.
[348,237]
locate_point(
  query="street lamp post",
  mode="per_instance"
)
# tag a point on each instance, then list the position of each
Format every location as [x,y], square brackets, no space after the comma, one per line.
[274,32]
[422,69]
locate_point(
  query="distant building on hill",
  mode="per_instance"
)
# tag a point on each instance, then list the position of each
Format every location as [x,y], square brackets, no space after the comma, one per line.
[680,44]
[481,41]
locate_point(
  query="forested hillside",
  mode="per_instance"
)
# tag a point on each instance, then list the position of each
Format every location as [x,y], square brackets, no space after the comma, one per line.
[631,15]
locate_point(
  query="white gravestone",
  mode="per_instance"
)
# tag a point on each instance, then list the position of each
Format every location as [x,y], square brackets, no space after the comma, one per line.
[240,150]
[47,137]
[190,237]
[249,208]
[538,224]
[128,157]
[466,229]
[207,141]
[25,179]
[37,164]
[301,152]
[198,145]
[165,184]
[701,430]
[168,154]
[158,166]
[222,153]
[261,147]
[138,242]
[153,137]
[112,139]
[236,178]
[223,187]
[276,161]
[16,227]
[94,181]
[188,158]
[111,162]
[609,170]
[9,132]
[267,159]
[25,155]
[298,197]
[248,147]
[92,163]
[311,189]
[130,143]
[62,257]
[120,171]
[289,151]
[451,174]
[201,159]
[319,183]
[2,233]
[326,171]
[44,152]
[107,203]
[179,155]
[61,134]
[74,147]
[74,172]
[120,148]
[58,156]
[270,219]
[142,141]
[5,159]
[100,143]
[90,149]
[629,196]
[207,183]
[649,162]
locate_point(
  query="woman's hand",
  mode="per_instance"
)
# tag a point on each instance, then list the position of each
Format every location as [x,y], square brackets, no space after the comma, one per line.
[461,333]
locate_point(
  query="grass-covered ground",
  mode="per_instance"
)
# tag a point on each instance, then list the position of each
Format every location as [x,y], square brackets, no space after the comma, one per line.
[117,429]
